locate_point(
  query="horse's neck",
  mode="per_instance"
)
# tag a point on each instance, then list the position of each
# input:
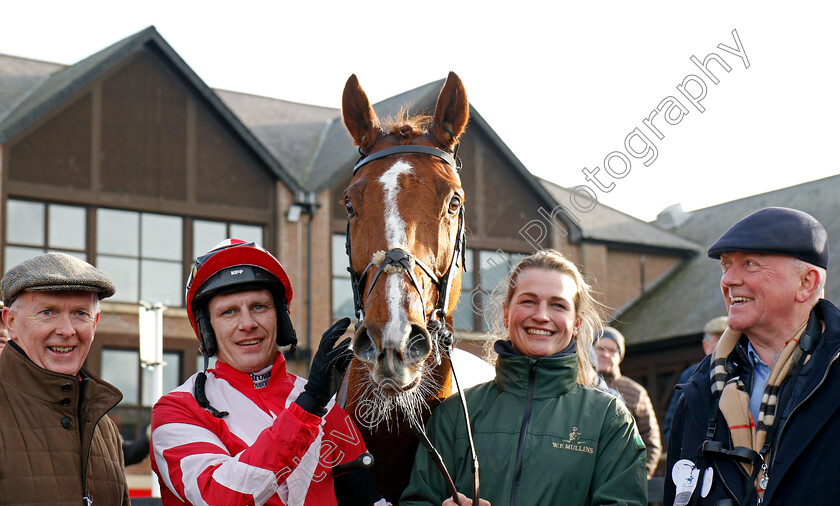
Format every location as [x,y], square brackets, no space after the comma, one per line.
[443,375]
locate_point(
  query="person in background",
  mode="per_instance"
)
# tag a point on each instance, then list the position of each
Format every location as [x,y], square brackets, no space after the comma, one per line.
[137,450]
[759,420]
[248,431]
[543,433]
[4,333]
[610,351]
[57,444]
[711,334]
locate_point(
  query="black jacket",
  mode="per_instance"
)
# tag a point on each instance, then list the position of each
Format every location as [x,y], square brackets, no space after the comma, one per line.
[804,458]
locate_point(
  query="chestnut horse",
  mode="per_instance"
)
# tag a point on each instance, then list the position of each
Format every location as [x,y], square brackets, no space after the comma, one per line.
[405,234]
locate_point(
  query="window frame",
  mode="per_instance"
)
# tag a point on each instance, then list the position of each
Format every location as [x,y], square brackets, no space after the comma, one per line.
[90,230]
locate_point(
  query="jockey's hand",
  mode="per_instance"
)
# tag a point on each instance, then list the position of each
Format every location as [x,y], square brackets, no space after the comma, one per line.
[462,499]
[329,363]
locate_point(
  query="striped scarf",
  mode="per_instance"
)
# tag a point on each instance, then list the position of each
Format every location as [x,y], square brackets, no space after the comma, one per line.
[735,398]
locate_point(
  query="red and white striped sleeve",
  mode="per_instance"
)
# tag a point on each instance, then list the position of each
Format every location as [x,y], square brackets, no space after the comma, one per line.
[201,459]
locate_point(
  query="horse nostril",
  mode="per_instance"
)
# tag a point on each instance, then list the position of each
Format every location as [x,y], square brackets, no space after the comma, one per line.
[363,346]
[419,344]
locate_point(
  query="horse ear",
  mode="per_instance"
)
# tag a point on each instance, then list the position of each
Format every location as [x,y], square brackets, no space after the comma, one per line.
[358,115]
[451,112]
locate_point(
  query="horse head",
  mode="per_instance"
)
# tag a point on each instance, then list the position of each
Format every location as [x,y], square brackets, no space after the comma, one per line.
[404,236]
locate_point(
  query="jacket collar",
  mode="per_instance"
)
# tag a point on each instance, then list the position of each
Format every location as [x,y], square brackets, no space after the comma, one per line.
[242,380]
[696,390]
[18,371]
[90,398]
[555,375]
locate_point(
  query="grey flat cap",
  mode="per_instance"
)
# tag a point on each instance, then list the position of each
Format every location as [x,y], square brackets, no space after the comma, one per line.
[53,272]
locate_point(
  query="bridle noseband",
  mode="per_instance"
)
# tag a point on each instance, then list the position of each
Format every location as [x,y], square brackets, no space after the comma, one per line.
[398,258]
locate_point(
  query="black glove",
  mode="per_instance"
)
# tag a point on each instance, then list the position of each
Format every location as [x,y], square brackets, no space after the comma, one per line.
[328,365]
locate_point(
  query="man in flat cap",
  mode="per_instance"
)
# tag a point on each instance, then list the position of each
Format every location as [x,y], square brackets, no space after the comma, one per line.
[4,334]
[609,349]
[711,335]
[57,446]
[759,420]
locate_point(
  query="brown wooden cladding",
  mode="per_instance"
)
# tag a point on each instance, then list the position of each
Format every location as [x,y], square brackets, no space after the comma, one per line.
[227,173]
[144,131]
[57,153]
[141,138]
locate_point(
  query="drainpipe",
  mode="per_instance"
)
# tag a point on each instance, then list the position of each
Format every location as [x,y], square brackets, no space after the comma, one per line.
[306,203]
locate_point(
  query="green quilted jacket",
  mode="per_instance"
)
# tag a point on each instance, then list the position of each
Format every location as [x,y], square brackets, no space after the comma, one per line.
[541,439]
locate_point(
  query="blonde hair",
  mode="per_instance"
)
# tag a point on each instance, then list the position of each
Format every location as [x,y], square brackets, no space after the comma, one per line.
[587,310]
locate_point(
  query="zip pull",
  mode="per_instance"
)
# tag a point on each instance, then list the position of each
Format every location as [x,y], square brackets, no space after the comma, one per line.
[86,501]
[762,483]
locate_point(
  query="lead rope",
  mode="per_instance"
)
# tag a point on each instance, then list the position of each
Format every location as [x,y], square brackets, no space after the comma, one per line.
[420,433]
[474,463]
[446,336]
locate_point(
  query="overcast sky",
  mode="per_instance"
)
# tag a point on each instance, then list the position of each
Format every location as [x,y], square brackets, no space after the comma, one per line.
[564,87]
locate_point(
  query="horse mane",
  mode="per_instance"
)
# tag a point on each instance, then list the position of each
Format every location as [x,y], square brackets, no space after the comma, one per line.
[405,125]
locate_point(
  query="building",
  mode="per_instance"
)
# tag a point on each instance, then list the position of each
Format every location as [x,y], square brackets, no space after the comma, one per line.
[130,161]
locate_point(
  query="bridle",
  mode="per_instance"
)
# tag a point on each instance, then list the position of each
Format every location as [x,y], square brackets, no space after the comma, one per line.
[400,259]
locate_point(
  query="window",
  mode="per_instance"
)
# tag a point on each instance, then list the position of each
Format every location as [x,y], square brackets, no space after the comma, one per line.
[483,288]
[121,368]
[464,316]
[342,287]
[207,234]
[117,367]
[142,254]
[33,228]
[199,362]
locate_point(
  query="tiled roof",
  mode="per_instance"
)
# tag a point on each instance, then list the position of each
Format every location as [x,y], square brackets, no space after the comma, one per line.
[608,225]
[19,77]
[291,132]
[689,296]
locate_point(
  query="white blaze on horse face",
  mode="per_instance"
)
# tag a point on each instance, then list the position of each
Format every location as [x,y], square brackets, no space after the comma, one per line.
[394,224]
[397,324]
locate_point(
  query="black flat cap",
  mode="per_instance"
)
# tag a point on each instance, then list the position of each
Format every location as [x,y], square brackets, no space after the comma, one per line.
[777,230]
[53,272]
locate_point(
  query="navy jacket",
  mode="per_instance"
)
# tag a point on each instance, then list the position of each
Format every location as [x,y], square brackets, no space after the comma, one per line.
[805,457]
[675,397]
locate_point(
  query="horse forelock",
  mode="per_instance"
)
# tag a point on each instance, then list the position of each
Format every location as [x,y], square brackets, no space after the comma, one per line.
[405,125]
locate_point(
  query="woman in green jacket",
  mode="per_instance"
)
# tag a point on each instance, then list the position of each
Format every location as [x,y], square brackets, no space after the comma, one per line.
[543,433]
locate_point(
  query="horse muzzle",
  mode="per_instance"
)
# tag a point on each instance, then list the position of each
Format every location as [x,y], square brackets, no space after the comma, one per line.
[397,365]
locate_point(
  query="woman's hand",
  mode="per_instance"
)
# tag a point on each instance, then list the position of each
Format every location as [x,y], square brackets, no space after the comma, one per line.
[463,501]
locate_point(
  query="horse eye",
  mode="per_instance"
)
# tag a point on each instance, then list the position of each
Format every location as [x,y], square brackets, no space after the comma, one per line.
[349,207]
[454,204]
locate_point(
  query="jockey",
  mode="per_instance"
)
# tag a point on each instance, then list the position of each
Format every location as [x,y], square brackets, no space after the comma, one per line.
[249,432]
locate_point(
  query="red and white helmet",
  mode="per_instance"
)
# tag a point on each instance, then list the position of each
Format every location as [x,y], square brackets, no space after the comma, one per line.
[235,266]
